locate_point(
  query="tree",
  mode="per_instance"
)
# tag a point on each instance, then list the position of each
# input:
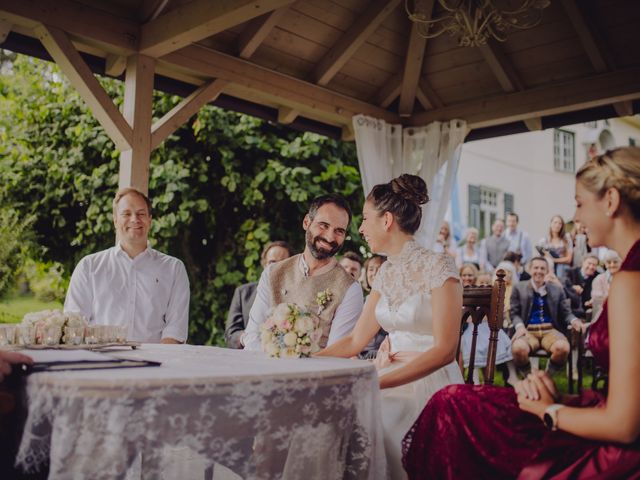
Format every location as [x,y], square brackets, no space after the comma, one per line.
[221,187]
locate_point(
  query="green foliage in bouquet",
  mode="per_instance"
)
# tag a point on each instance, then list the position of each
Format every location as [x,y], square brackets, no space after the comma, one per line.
[222,185]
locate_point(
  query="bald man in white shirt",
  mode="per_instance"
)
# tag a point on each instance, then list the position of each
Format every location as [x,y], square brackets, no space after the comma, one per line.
[132,284]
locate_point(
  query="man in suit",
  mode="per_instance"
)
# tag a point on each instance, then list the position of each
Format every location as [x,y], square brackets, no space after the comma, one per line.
[578,282]
[540,313]
[245,295]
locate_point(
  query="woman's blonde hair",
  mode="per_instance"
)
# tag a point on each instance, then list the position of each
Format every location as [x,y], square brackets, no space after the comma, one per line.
[619,169]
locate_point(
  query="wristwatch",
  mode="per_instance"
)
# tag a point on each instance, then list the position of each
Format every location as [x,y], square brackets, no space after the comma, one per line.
[550,417]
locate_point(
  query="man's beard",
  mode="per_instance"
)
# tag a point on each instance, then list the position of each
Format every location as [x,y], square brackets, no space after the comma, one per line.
[320,254]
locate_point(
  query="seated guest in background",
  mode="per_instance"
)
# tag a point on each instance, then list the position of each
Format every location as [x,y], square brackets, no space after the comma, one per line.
[301,278]
[470,251]
[495,247]
[533,431]
[371,267]
[352,264]
[578,283]
[600,285]
[540,313]
[132,284]
[244,295]
[468,275]
[483,278]
[516,260]
[518,239]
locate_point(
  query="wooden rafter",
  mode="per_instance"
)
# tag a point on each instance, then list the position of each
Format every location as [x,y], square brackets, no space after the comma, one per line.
[624,109]
[137,108]
[151,9]
[591,42]
[501,67]
[352,40]
[286,115]
[427,96]
[389,91]
[413,66]
[197,20]
[257,30]
[5,29]
[115,65]
[594,91]
[533,124]
[74,67]
[188,107]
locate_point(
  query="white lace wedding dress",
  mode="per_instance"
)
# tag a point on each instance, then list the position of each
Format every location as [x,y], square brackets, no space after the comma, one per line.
[404,310]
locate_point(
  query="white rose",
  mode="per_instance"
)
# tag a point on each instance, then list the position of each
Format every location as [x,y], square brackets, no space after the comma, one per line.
[272,350]
[266,337]
[289,353]
[304,324]
[290,339]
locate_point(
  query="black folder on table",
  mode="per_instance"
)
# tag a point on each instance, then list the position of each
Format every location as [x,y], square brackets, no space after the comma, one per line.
[57,360]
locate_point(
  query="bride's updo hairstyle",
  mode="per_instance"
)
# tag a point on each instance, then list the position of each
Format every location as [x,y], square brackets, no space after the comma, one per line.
[619,169]
[401,197]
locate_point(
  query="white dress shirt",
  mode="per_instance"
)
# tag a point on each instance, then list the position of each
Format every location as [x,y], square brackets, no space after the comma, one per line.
[519,241]
[148,293]
[344,319]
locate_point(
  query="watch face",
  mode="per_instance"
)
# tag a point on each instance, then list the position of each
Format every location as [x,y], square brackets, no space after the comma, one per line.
[548,421]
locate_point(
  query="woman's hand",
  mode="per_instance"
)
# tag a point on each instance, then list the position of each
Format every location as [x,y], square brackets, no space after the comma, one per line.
[536,393]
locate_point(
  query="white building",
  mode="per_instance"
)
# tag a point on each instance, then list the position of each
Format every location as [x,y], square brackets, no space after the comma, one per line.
[532,173]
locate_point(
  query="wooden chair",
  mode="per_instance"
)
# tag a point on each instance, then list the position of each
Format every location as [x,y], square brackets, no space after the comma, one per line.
[478,303]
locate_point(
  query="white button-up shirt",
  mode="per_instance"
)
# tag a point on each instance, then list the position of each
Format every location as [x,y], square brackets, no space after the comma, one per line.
[344,318]
[149,293]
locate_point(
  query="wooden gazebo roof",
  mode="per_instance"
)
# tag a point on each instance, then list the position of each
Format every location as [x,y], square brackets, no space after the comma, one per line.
[316,63]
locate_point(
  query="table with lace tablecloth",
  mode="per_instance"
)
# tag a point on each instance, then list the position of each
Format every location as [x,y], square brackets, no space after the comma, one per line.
[259,417]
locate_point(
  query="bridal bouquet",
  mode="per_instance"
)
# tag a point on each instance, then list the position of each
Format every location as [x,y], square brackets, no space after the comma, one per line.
[291,332]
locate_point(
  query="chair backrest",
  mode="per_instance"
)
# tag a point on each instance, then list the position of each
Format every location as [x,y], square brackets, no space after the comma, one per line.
[478,303]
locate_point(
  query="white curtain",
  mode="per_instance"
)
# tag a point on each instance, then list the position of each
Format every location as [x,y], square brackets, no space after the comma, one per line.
[432,152]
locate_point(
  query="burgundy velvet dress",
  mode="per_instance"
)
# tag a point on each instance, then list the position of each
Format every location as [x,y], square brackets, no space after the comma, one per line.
[479,432]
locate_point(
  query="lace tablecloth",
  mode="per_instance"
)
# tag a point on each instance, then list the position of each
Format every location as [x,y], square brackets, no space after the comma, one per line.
[261,418]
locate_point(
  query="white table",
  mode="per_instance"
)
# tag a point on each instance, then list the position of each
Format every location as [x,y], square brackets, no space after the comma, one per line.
[259,417]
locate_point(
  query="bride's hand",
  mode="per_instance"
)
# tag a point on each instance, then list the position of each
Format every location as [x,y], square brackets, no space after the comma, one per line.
[383,357]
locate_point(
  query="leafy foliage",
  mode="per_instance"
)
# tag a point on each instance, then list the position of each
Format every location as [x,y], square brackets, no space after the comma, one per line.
[14,245]
[222,186]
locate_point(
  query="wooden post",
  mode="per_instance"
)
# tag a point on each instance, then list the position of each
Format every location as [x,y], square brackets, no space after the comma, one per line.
[137,109]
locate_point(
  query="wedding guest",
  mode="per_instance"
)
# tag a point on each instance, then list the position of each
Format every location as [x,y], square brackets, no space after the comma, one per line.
[445,243]
[245,294]
[580,243]
[372,266]
[495,247]
[417,298]
[578,282]
[534,431]
[470,251]
[352,264]
[302,277]
[516,260]
[518,239]
[557,247]
[132,284]
[483,278]
[468,274]
[600,285]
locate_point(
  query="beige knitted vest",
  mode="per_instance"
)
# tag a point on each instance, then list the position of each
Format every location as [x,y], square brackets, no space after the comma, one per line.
[289,285]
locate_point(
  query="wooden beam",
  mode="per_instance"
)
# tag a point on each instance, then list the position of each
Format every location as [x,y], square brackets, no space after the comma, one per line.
[151,9]
[594,91]
[115,65]
[591,41]
[287,115]
[119,34]
[501,67]
[389,91]
[533,124]
[182,112]
[412,68]
[288,91]
[624,109]
[80,76]
[197,20]
[352,40]
[5,29]
[348,134]
[427,96]
[257,30]
[137,108]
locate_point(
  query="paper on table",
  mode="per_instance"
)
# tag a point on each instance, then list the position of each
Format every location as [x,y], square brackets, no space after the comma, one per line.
[55,356]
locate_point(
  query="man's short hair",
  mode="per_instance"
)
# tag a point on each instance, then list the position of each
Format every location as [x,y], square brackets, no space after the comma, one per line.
[591,255]
[337,200]
[276,243]
[538,259]
[353,256]
[126,191]
[514,214]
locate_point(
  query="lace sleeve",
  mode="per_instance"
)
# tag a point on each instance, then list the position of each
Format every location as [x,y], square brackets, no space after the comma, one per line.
[443,268]
[377,281]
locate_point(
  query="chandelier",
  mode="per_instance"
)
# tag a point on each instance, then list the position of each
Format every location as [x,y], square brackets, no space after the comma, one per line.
[475,21]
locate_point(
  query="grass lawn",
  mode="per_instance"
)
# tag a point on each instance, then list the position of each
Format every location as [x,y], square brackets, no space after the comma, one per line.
[13,308]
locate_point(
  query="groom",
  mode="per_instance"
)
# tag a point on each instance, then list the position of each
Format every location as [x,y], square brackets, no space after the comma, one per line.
[299,279]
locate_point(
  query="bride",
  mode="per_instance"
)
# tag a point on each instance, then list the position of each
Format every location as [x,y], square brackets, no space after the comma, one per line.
[417,298]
